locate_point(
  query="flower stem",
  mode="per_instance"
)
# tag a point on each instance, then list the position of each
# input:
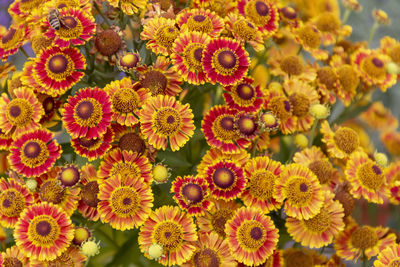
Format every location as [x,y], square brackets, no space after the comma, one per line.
[346,16]
[364,264]
[24,52]
[312,133]
[101,14]
[372,33]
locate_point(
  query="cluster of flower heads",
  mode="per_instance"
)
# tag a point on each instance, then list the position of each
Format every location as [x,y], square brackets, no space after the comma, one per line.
[241,201]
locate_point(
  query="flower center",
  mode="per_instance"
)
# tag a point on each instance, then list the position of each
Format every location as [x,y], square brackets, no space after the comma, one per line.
[48,104]
[69,176]
[192,55]
[246,125]
[43,231]
[319,223]
[245,30]
[126,100]
[8,36]
[132,142]
[394,53]
[166,35]
[169,235]
[327,76]
[322,169]
[125,169]
[52,191]
[200,23]
[12,203]
[251,235]
[193,193]
[19,112]
[300,103]
[34,154]
[374,67]
[281,107]
[288,12]
[69,22]
[292,65]
[348,78]
[245,91]
[155,81]
[226,59]
[299,191]
[298,259]
[129,60]
[258,12]
[88,112]
[261,184]
[394,263]
[28,5]
[89,143]
[219,219]
[108,42]
[370,175]
[327,22]
[58,64]
[12,262]
[167,121]
[89,194]
[223,128]
[125,202]
[346,139]
[364,237]
[224,178]
[206,257]
[309,36]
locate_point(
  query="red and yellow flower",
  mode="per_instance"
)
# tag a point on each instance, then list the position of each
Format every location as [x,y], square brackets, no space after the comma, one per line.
[13,256]
[200,20]
[392,174]
[225,61]
[93,148]
[165,119]
[302,191]
[88,203]
[379,117]
[366,178]
[126,99]
[191,194]
[125,202]
[58,69]
[34,153]
[252,236]
[14,197]
[389,256]
[76,28]
[129,7]
[43,231]
[71,256]
[88,113]
[12,40]
[173,230]
[20,114]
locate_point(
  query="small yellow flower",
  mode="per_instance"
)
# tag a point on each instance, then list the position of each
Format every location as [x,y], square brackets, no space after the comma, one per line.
[319,111]
[381,16]
[161,173]
[301,141]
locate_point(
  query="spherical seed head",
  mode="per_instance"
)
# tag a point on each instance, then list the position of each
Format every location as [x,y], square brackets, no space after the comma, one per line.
[301,141]
[392,68]
[31,184]
[319,111]
[90,248]
[160,173]
[381,159]
[155,251]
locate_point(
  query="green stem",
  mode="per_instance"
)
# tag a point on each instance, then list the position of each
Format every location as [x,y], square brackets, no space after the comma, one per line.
[24,52]
[346,16]
[108,238]
[372,33]
[101,14]
[312,133]
[364,264]
[253,152]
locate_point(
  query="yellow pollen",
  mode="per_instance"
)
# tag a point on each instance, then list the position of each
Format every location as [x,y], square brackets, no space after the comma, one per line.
[292,65]
[310,37]
[374,67]
[219,219]
[261,184]
[346,139]
[348,78]
[370,175]
[124,201]
[251,235]
[244,31]
[327,22]
[300,103]
[322,169]
[327,76]
[319,223]
[169,235]
[299,191]
[364,237]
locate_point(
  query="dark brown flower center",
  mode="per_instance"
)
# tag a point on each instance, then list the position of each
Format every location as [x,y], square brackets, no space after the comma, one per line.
[227,59]
[32,150]
[303,187]
[206,258]
[58,64]
[155,81]
[245,91]
[223,178]
[7,37]
[256,233]
[132,142]
[193,193]
[15,111]
[89,194]
[69,22]
[262,8]
[43,228]
[84,110]
[227,123]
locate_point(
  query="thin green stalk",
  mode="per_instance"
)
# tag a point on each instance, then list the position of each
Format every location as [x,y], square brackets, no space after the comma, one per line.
[312,133]
[372,33]
[253,152]
[346,16]
[364,264]
[101,14]
[108,238]
[24,52]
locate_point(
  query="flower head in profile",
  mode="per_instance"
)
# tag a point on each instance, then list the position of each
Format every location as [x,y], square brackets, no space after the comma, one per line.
[165,119]
[12,40]
[200,20]
[129,7]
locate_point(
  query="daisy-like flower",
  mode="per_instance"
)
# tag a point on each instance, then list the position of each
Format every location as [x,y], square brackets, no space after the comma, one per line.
[191,193]
[244,30]
[43,231]
[13,256]
[319,230]
[211,250]
[5,140]
[391,140]
[129,7]
[309,37]
[125,163]
[215,219]
[88,113]
[263,13]
[371,66]
[87,205]
[243,96]
[366,178]
[328,23]
[161,33]
[251,235]
[302,191]
[379,117]
[131,139]
[391,47]
[93,148]
[200,20]
[186,57]
[389,256]
[125,202]
[301,96]
[128,61]
[261,174]
[164,119]
[302,257]
[69,175]
[50,106]
[219,130]
[225,61]
[126,98]
[58,69]
[392,174]
[20,114]
[77,28]
[221,7]
[314,159]
[22,9]
[341,143]
[355,240]
[12,40]
[15,197]
[173,230]
[159,78]
[34,153]
[72,256]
